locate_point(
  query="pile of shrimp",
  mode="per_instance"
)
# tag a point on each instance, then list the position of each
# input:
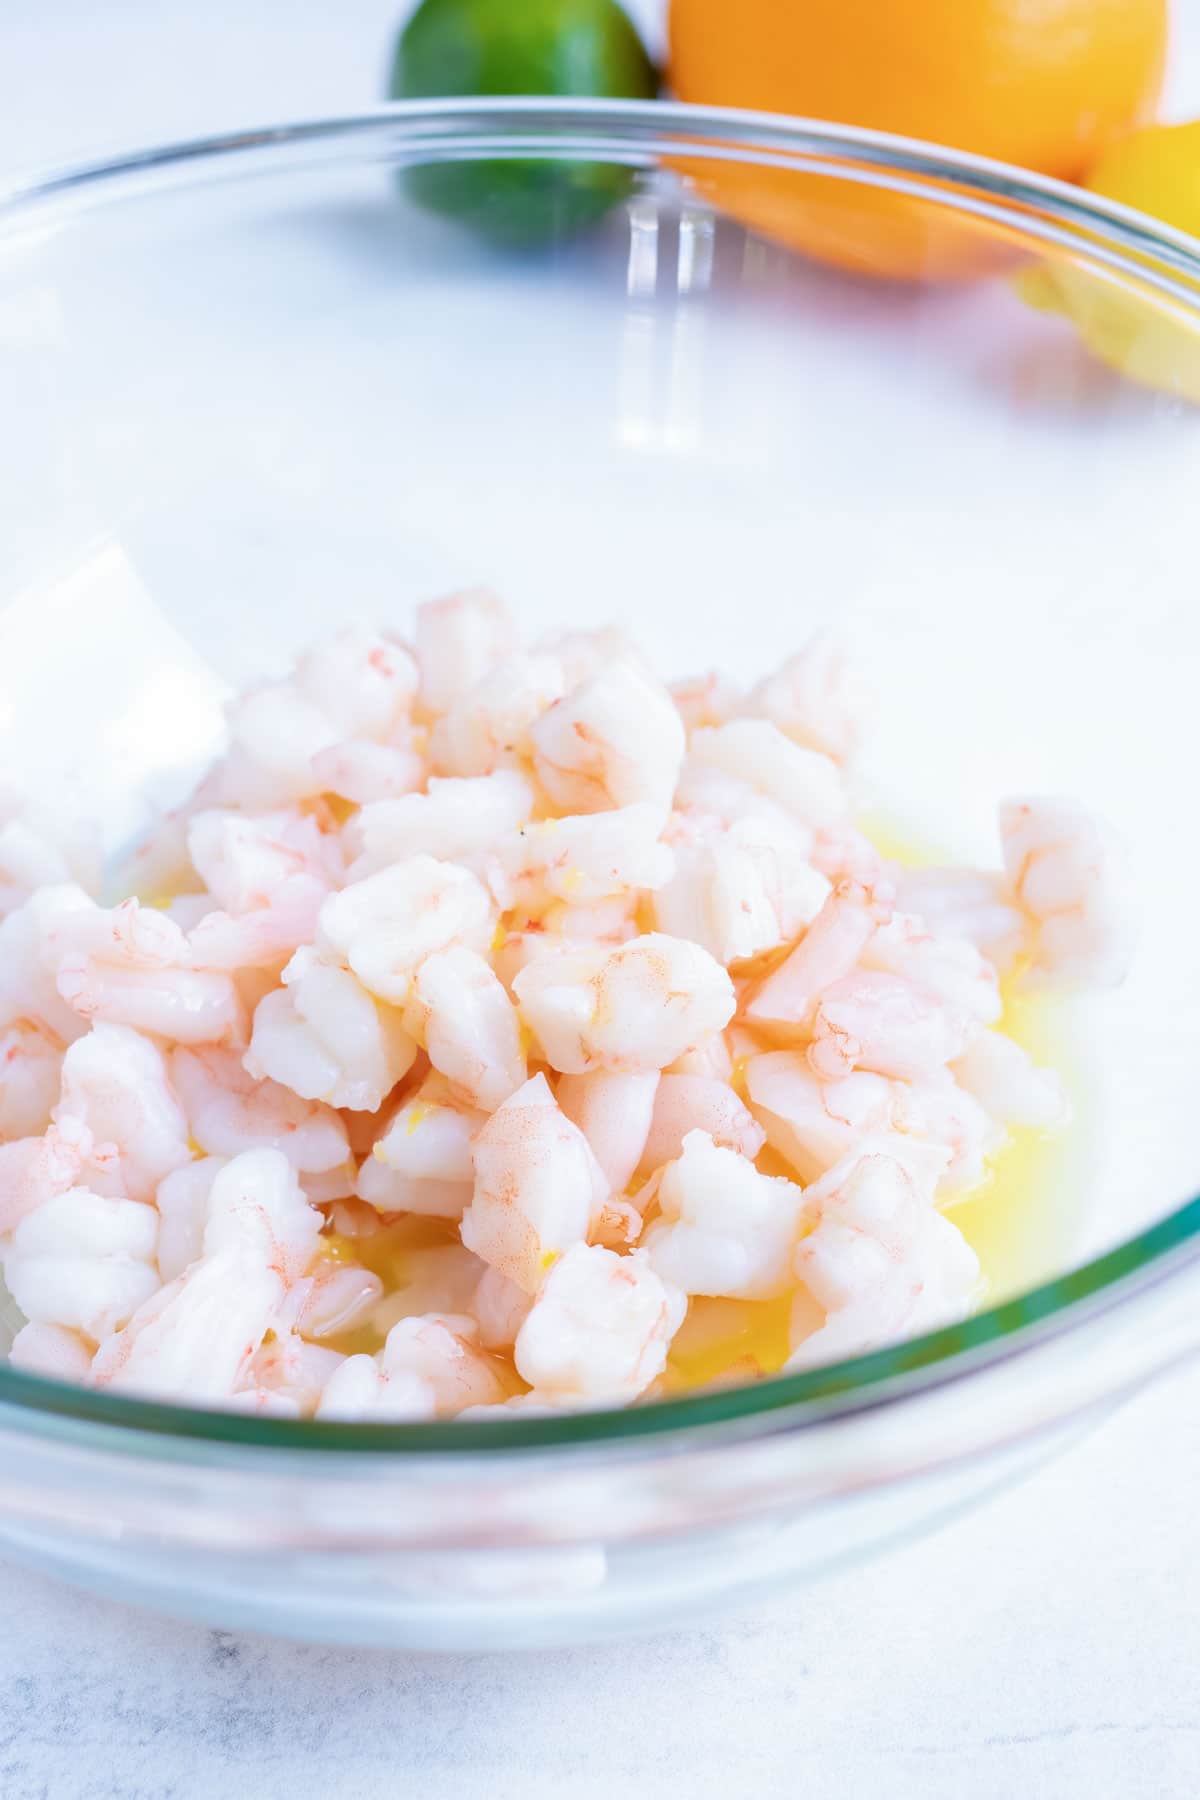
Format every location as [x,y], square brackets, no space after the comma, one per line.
[594,976]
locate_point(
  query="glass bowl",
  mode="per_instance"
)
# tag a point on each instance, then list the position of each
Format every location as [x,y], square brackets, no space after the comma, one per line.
[252,391]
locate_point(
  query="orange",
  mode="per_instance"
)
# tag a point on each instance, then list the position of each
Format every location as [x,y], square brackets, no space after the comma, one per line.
[1045,84]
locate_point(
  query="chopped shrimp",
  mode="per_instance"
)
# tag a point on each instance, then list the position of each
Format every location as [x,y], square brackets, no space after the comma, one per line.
[31,949]
[614,1112]
[429,1367]
[711,1057]
[244,861]
[385,927]
[457,821]
[53,1351]
[949,969]
[194,1339]
[459,1011]
[83,1261]
[686,1103]
[814,698]
[131,966]
[1004,1079]
[289,1369]
[333,1297]
[881,1261]
[326,1038]
[724,1227]
[363,684]
[116,1083]
[711,699]
[537,1187]
[501,1308]
[41,846]
[582,654]
[229,1111]
[437,1278]
[275,732]
[635,1007]
[742,890]
[459,639]
[829,949]
[182,1202]
[843,853]
[806,784]
[34,1169]
[883,1023]
[583,859]
[614,740]
[600,1328]
[30,1072]
[362,772]
[1068,873]
[964,903]
[330,1185]
[422,1162]
[814,1123]
[490,723]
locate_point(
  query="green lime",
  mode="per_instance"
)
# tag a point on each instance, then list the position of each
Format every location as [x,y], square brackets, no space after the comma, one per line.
[569,47]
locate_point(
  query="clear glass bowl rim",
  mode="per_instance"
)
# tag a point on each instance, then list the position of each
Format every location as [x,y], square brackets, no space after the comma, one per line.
[1113,238]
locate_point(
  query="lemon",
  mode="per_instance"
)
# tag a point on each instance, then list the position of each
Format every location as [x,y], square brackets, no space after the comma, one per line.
[583,48]
[1156,170]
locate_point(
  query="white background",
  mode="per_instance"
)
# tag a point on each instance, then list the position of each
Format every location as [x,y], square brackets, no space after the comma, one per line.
[1048,1645]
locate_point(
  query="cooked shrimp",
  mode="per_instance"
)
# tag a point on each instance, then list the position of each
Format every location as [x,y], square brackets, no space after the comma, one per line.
[35,1169]
[229,1111]
[362,772]
[275,731]
[724,1227]
[182,1201]
[612,741]
[459,1012]
[685,1103]
[457,821]
[815,698]
[115,1082]
[583,859]
[880,1261]
[383,928]
[363,684]
[537,1187]
[459,639]
[711,699]
[883,1023]
[614,1113]
[1005,1080]
[31,949]
[1068,873]
[636,1007]
[83,1261]
[288,1368]
[949,969]
[53,1351]
[829,949]
[326,1038]
[30,1072]
[428,1367]
[422,1163]
[490,723]
[42,846]
[600,1328]
[132,966]
[500,1307]
[814,1123]
[964,903]
[742,889]
[244,861]
[804,783]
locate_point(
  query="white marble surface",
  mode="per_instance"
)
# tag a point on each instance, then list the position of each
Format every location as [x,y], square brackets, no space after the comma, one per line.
[1048,1644]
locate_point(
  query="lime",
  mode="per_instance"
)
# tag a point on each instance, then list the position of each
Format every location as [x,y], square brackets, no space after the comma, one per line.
[569,47]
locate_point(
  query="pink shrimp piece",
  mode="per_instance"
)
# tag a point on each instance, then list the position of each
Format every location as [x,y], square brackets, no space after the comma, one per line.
[815,698]
[883,1023]
[600,1329]
[460,1012]
[724,1228]
[459,639]
[711,1057]
[804,783]
[41,846]
[182,1202]
[383,928]
[842,852]
[584,859]
[35,1169]
[334,1297]
[115,1082]
[742,890]
[326,1038]
[686,1103]
[829,949]
[30,1072]
[229,1111]
[629,1009]
[706,700]
[83,1261]
[880,1262]
[582,654]
[363,684]
[810,1122]
[488,726]
[1004,1079]
[614,740]
[441,1278]
[948,969]
[1069,873]
[53,1351]
[614,1112]
[964,903]
[262,939]
[429,1367]
[362,772]
[501,1308]
[537,1187]
[33,941]
[244,861]
[423,1163]
[275,732]
[456,821]
[287,1369]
